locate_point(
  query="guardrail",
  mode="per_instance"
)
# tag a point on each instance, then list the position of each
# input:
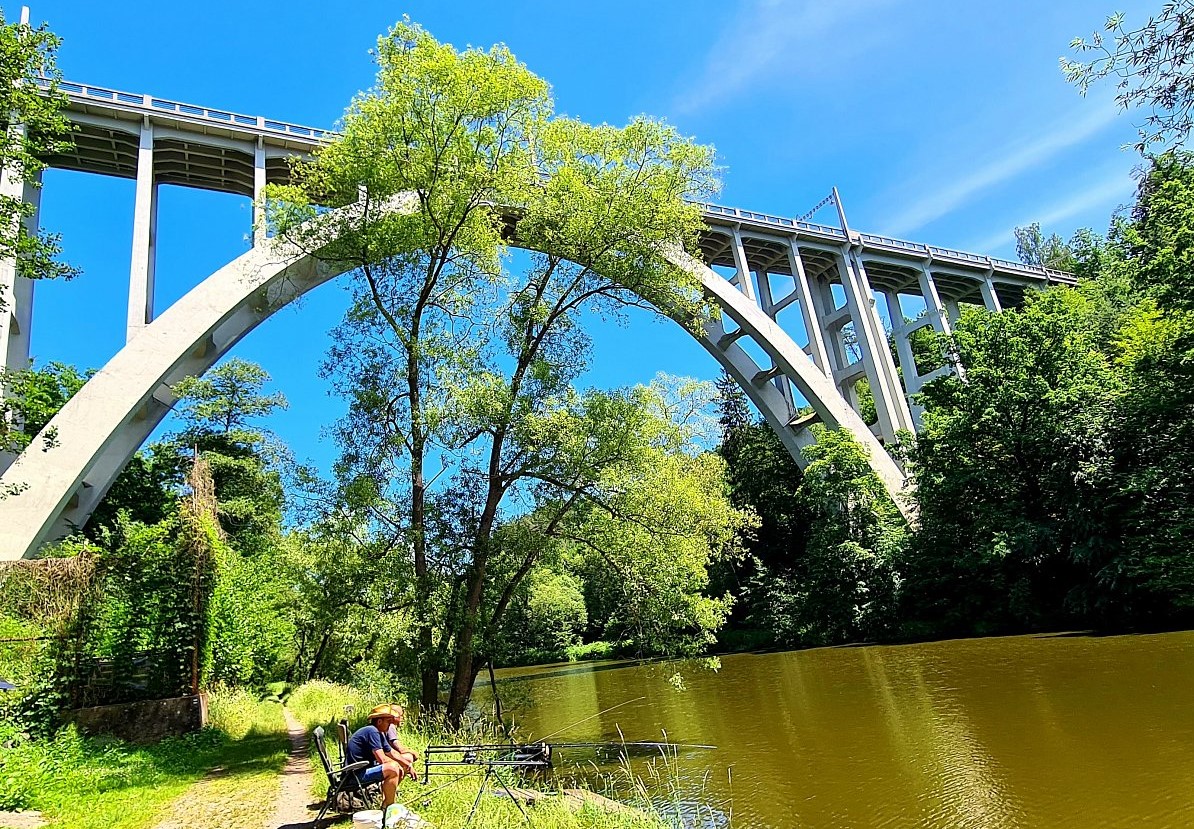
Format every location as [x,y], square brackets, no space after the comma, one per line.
[87,93]
[775,221]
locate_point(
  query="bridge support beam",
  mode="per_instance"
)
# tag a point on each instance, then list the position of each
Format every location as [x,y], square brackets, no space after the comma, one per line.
[900,333]
[145,220]
[258,187]
[890,405]
[990,296]
[16,292]
[741,266]
[813,326]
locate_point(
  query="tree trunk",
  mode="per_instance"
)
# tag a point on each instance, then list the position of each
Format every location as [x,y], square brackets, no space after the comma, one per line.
[465,672]
[429,694]
[323,644]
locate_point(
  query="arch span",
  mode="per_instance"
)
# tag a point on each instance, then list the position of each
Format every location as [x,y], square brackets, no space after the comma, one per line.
[102,426]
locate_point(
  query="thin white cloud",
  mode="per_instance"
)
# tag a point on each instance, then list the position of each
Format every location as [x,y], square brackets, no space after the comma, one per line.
[964,189]
[1113,188]
[766,36]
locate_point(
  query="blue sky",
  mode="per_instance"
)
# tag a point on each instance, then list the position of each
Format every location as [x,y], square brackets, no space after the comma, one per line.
[941,122]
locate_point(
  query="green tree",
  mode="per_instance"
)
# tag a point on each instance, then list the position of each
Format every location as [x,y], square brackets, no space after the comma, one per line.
[1012,464]
[459,371]
[30,398]
[35,128]
[1153,65]
[220,411]
[1145,575]
[1034,248]
[841,587]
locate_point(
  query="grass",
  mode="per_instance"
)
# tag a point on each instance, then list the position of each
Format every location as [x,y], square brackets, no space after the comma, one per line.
[101,783]
[226,777]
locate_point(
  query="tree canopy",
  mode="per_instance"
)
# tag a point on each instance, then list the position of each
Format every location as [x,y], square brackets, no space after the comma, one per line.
[468,443]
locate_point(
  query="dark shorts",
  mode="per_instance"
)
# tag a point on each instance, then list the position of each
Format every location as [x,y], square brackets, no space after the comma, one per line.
[371,775]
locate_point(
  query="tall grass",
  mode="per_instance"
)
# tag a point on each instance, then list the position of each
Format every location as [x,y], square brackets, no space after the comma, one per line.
[324,703]
[89,783]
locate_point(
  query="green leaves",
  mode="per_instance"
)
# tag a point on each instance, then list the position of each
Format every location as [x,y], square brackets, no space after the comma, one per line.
[36,129]
[1151,66]
[459,361]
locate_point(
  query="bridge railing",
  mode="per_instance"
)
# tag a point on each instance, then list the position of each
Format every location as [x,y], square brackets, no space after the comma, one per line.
[766,219]
[99,94]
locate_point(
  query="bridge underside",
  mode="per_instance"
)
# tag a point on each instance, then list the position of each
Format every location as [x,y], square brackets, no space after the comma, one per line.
[800,327]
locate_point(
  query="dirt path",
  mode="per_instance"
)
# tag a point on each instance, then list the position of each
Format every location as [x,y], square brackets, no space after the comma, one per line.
[254,799]
[291,811]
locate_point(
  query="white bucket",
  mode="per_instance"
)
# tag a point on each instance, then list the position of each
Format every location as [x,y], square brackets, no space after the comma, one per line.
[369,819]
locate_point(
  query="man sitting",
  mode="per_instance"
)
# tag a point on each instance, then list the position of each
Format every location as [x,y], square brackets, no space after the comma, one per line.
[391,762]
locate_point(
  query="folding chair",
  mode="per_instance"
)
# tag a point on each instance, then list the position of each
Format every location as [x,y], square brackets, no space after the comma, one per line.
[342,740]
[344,779]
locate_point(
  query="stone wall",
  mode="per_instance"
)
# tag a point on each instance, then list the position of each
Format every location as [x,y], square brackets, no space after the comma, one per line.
[143,722]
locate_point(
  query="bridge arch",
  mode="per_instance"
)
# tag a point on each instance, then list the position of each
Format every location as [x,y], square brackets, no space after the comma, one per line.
[103,425]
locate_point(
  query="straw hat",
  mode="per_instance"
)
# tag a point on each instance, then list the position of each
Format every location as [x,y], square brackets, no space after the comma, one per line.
[385,710]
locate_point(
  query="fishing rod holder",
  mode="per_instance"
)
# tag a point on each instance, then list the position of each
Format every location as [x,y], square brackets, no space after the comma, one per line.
[525,757]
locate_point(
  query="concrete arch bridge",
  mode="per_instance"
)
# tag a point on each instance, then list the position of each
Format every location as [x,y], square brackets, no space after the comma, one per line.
[800,322]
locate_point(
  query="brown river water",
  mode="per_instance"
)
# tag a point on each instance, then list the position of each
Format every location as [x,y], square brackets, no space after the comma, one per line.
[1030,731]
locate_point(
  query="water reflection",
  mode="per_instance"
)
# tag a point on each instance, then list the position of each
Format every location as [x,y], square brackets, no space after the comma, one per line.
[999,733]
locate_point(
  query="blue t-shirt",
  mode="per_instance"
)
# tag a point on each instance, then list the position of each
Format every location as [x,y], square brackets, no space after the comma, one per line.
[362,743]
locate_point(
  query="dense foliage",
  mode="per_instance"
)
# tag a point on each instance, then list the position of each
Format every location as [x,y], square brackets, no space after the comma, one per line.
[1054,483]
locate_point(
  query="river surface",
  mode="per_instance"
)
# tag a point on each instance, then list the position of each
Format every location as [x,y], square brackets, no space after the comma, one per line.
[1035,731]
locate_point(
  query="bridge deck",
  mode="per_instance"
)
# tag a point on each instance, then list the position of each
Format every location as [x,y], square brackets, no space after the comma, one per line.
[214,149]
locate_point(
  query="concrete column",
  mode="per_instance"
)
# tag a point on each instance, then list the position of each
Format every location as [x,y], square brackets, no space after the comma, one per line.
[890,404]
[145,220]
[990,297]
[766,304]
[952,311]
[936,308]
[942,314]
[899,333]
[258,186]
[16,292]
[740,265]
[766,300]
[809,311]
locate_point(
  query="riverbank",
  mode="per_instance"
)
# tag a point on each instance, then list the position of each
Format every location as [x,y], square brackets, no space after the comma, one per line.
[447,803]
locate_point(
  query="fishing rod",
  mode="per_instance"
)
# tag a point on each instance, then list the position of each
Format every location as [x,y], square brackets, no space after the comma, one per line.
[527,757]
[593,717]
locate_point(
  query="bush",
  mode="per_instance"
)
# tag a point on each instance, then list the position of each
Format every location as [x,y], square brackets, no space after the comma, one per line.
[591,650]
[28,766]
